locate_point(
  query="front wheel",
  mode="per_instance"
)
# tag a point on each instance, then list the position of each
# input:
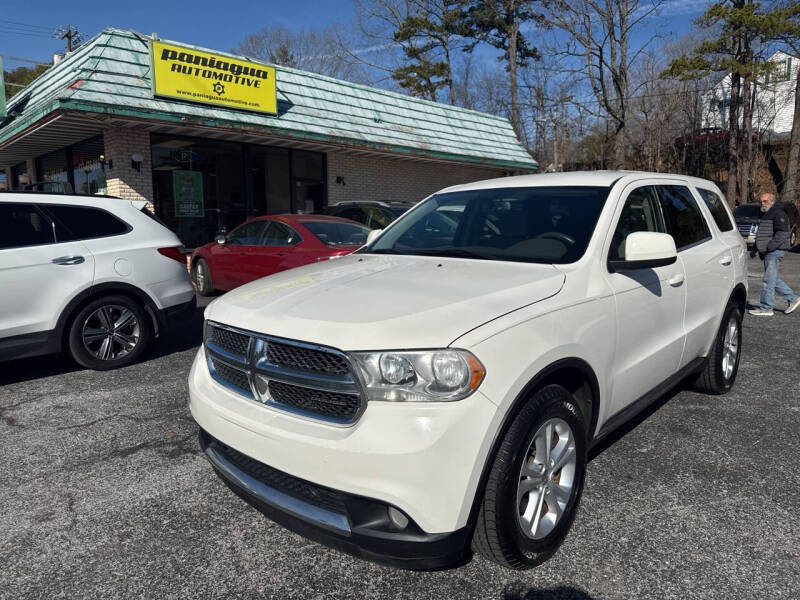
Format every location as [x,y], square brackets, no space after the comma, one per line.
[793,237]
[535,483]
[722,364]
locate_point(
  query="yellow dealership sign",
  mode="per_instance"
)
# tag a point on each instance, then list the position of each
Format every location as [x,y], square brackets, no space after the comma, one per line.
[196,76]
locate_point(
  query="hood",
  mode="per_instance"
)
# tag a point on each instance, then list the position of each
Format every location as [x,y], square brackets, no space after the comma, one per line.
[379,302]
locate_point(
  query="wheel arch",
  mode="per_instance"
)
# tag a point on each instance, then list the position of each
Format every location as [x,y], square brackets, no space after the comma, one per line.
[739,297]
[577,376]
[105,289]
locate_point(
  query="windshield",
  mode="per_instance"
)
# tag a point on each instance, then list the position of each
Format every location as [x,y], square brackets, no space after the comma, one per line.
[530,224]
[335,233]
[752,211]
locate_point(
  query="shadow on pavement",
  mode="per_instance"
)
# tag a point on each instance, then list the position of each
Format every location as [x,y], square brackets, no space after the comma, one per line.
[519,591]
[179,338]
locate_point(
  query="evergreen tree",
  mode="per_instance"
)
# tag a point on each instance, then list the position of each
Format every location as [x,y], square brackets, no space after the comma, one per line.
[428,35]
[497,23]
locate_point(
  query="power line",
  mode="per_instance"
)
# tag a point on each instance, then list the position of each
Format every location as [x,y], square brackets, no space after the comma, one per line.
[28,25]
[26,33]
[25,60]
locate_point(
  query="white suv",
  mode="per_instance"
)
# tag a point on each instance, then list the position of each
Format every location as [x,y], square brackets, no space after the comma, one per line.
[439,389]
[97,277]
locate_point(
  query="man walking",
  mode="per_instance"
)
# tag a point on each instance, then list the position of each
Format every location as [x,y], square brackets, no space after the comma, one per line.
[771,241]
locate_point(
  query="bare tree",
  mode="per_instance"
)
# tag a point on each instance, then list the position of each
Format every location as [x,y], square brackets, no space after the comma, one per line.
[598,34]
[324,51]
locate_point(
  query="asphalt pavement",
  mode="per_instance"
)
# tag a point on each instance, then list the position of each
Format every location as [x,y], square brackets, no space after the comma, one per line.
[104,493]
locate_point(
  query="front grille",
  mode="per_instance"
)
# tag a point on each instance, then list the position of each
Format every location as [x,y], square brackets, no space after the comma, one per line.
[329,404]
[230,341]
[313,381]
[306,359]
[745,228]
[232,376]
[288,484]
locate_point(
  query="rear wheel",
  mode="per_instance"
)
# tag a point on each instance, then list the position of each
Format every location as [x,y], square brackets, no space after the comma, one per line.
[201,275]
[793,237]
[722,364]
[109,332]
[535,482]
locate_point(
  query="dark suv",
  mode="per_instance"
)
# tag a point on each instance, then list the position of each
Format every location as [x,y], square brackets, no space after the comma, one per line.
[375,215]
[748,215]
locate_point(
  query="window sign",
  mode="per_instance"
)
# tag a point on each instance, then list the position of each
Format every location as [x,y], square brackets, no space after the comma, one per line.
[187,189]
[190,74]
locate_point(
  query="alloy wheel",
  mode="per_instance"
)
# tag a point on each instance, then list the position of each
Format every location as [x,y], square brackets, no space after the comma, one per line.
[200,276]
[730,348]
[546,479]
[111,332]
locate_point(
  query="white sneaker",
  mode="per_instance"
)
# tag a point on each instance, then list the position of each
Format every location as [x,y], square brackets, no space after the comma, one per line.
[761,312]
[792,306]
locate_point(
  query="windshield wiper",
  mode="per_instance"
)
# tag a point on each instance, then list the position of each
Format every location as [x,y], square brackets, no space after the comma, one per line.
[452,252]
[385,251]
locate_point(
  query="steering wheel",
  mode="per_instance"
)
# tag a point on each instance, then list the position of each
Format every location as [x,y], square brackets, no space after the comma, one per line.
[556,235]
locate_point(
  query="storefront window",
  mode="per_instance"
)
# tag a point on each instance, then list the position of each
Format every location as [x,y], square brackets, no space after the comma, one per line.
[88,172]
[198,186]
[269,177]
[53,166]
[19,176]
[308,171]
[203,187]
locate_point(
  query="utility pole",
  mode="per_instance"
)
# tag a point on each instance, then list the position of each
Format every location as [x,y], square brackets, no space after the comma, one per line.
[69,35]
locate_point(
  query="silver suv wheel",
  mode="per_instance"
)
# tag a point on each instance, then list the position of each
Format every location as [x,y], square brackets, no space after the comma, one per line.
[546,478]
[730,348]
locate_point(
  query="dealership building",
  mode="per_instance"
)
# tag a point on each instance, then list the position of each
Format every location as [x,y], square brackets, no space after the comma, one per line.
[211,139]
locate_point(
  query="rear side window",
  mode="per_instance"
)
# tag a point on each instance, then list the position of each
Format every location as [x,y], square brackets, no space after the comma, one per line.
[279,234]
[716,207]
[84,222]
[248,234]
[23,225]
[683,218]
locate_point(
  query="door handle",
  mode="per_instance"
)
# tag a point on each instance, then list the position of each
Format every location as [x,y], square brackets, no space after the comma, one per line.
[676,279]
[725,261]
[68,260]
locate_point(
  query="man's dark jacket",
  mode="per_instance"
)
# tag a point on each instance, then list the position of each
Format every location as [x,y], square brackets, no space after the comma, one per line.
[773,231]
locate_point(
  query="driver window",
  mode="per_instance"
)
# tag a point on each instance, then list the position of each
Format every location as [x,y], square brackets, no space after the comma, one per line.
[640,213]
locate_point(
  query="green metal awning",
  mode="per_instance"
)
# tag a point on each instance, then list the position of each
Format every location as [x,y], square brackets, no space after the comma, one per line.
[107,83]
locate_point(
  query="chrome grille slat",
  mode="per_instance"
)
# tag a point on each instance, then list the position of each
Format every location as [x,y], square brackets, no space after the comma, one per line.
[306,379]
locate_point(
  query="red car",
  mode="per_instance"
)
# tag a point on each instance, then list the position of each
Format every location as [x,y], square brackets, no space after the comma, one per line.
[267,245]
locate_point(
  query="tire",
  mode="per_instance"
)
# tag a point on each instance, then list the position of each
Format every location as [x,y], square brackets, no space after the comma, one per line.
[793,238]
[100,340]
[722,365]
[201,276]
[507,531]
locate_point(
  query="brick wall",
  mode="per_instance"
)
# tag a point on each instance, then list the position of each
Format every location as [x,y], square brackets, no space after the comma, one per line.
[123,180]
[368,178]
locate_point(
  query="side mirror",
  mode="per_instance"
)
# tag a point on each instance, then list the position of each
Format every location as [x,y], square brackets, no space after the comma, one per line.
[221,240]
[373,235]
[646,250]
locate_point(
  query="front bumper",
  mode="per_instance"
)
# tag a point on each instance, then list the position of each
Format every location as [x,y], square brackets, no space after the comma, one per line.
[425,459]
[359,526]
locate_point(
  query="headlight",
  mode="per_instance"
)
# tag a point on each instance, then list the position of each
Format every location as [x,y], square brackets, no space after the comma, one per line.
[423,376]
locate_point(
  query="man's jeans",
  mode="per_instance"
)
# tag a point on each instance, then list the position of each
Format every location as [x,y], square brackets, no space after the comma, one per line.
[773,283]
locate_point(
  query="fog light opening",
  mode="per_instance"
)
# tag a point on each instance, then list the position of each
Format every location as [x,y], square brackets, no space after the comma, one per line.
[397,518]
